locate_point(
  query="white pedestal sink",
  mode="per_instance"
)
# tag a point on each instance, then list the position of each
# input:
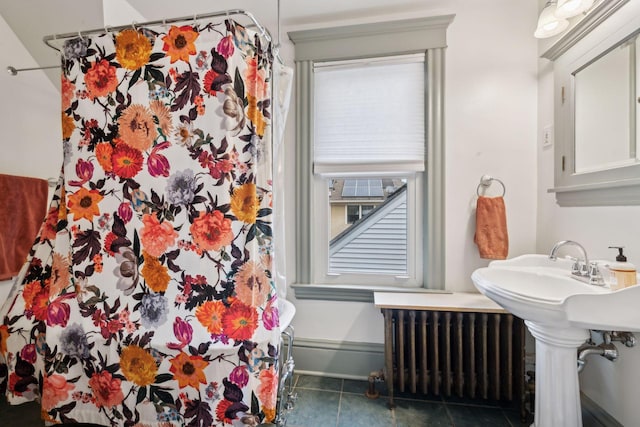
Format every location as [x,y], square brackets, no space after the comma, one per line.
[559,311]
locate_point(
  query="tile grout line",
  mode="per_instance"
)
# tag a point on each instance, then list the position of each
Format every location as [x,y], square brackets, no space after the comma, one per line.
[339,402]
[446,409]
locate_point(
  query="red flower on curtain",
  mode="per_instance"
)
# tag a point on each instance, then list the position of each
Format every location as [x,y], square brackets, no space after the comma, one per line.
[239,321]
[126,161]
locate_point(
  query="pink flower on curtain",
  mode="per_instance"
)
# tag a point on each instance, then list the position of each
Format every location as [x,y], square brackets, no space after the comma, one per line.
[156,236]
[183,332]
[157,164]
[84,171]
[270,316]
[125,212]
[255,81]
[225,47]
[58,311]
[55,389]
[28,353]
[239,376]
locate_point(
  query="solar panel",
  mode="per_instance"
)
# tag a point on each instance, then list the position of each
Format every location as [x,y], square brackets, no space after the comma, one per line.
[349,192]
[362,188]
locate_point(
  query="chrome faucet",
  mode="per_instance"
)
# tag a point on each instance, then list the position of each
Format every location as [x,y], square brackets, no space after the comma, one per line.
[579,267]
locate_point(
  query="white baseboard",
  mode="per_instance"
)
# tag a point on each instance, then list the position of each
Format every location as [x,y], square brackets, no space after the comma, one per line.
[341,359]
[594,410]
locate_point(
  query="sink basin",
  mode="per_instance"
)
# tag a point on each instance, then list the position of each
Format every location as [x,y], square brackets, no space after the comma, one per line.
[537,289]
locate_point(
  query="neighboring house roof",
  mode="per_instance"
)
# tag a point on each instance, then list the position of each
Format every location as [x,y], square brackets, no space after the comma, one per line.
[376,242]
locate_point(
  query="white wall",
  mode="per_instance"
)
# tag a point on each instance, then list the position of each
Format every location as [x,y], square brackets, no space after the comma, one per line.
[613,386]
[490,111]
[31,140]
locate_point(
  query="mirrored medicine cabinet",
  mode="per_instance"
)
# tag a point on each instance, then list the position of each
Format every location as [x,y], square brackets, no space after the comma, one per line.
[597,108]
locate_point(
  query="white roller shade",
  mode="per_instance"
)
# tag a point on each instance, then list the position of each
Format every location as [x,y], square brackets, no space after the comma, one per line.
[370,115]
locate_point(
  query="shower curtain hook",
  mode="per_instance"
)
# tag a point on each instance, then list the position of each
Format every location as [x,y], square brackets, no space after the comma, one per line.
[80,35]
[107,29]
[195,19]
[133,25]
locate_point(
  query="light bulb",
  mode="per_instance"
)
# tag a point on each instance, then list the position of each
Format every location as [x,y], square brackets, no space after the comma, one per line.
[570,8]
[549,24]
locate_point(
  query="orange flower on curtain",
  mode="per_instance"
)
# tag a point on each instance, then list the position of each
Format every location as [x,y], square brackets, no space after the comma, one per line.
[101,79]
[133,49]
[188,370]
[179,43]
[138,365]
[84,204]
[245,203]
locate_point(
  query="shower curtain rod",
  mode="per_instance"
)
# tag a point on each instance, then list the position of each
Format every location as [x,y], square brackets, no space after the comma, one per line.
[53,37]
[263,30]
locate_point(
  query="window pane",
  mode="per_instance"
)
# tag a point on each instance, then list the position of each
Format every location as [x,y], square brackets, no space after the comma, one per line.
[353,213]
[368,225]
[366,209]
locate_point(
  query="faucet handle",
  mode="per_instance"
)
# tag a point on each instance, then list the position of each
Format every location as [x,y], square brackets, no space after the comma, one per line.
[595,277]
[576,266]
[584,269]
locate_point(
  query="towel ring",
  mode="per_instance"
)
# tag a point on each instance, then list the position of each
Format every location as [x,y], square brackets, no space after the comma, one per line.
[485,181]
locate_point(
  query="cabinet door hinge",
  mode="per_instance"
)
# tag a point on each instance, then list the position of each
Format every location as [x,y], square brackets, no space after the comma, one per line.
[563,159]
[562,95]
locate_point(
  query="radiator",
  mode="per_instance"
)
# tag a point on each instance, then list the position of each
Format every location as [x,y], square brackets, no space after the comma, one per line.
[448,353]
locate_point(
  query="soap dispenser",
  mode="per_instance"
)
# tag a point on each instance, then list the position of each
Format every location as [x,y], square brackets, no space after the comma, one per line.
[623,273]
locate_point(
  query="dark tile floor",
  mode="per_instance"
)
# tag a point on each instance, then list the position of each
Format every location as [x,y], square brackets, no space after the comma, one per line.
[333,402]
[324,402]
[329,402]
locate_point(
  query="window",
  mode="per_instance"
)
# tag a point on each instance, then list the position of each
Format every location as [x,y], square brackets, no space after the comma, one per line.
[369,126]
[369,109]
[355,213]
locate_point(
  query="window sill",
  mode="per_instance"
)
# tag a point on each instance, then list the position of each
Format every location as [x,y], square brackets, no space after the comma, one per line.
[353,293]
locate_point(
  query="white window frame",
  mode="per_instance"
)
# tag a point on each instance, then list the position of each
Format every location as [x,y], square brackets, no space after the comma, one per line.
[427,35]
[320,238]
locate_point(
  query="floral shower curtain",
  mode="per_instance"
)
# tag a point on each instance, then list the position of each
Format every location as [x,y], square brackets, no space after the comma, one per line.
[148,297]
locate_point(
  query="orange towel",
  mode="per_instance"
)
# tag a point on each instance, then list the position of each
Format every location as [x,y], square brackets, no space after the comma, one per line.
[491,228]
[23,205]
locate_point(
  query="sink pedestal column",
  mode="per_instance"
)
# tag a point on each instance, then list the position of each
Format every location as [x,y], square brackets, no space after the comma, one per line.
[557,387]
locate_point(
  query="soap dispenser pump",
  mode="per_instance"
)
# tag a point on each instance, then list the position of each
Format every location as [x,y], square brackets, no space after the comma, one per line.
[623,272]
[620,257]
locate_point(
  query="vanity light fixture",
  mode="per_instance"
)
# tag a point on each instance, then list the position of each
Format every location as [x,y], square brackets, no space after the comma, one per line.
[571,8]
[549,24]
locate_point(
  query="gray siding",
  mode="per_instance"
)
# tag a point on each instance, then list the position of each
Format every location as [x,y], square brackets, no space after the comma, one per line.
[376,244]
